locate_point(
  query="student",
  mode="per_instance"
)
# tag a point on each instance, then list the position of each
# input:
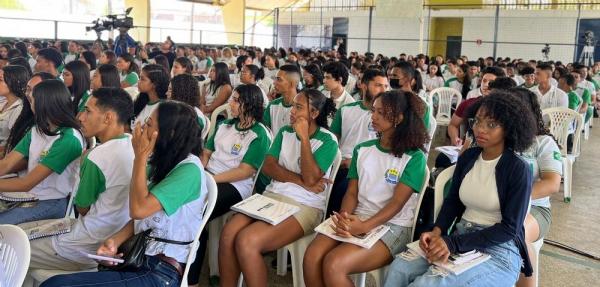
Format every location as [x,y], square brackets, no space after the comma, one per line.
[108,57]
[298,163]
[449,70]
[76,77]
[181,65]
[184,88]
[164,62]
[168,200]
[217,91]
[49,150]
[102,198]
[13,85]
[352,125]
[566,83]
[128,70]
[228,58]
[234,153]
[277,113]
[20,61]
[548,95]
[107,76]
[313,78]
[73,54]
[587,83]
[153,86]
[49,60]
[408,79]
[270,66]
[545,160]
[490,193]
[528,74]
[89,58]
[433,79]
[461,81]
[335,78]
[385,177]
[204,61]
[253,75]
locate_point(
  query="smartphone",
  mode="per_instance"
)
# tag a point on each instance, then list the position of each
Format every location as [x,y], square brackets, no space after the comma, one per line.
[104,258]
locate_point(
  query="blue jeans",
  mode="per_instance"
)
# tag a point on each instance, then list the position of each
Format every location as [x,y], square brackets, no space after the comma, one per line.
[156,273]
[502,269]
[43,209]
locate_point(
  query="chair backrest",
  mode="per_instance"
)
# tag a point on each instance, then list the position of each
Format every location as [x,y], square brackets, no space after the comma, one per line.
[561,120]
[15,253]
[438,193]
[431,132]
[216,112]
[444,103]
[132,91]
[419,201]
[337,161]
[211,201]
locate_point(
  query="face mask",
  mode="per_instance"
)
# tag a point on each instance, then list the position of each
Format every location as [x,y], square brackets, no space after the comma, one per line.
[395,84]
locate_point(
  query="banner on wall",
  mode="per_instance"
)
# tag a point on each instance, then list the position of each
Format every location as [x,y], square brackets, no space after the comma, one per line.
[588,44]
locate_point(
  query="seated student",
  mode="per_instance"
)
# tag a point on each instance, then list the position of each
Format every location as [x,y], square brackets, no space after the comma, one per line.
[433,79]
[408,79]
[50,151]
[252,75]
[76,77]
[20,61]
[277,112]
[299,163]
[352,126]
[108,57]
[566,83]
[168,200]
[13,84]
[375,196]
[181,65]
[153,86]
[49,60]
[548,95]
[490,193]
[106,76]
[313,77]
[72,52]
[234,153]
[270,65]
[586,83]
[461,81]
[184,88]
[545,160]
[335,78]
[217,91]
[103,190]
[128,71]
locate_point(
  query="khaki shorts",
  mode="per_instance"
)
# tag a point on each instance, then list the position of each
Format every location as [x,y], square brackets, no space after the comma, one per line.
[308,217]
[543,216]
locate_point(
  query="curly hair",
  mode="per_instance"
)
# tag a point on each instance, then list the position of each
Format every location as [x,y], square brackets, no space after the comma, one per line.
[410,133]
[514,116]
[160,78]
[184,88]
[179,134]
[531,99]
[324,105]
[251,101]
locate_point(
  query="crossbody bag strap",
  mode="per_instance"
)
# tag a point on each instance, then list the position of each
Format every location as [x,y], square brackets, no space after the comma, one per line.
[169,241]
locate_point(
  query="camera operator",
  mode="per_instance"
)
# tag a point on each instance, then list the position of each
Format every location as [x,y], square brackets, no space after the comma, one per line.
[123,42]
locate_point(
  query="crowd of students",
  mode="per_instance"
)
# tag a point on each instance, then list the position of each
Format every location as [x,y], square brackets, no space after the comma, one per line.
[129,137]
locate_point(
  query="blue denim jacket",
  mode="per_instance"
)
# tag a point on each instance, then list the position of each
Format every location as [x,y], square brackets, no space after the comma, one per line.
[514,181]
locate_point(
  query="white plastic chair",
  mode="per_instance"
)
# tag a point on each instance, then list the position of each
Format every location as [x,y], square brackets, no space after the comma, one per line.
[440,184]
[444,104]
[379,274]
[561,120]
[15,253]
[133,92]
[216,112]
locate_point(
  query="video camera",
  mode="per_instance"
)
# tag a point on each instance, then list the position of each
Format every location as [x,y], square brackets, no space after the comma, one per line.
[110,22]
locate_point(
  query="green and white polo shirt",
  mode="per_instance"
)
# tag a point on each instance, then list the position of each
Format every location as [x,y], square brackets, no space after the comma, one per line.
[70,57]
[130,78]
[145,113]
[588,86]
[182,195]
[454,83]
[352,124]
[378,172]
[232,146]
[277,115]
[344,99]
[104,180]
[202,121]
[543,156]
[324,147]
[58,153]
[574,100]
[84,98]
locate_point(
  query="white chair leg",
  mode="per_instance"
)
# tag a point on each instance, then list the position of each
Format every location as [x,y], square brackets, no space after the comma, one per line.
[568,178]
[241,280]
[586,130]
[360,279]
[537,246]
[282,261]
[297,250]
[215,227]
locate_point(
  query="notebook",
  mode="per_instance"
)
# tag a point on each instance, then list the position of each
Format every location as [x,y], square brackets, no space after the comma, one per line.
[456,264]
[452,152]
[365,241]
[17,196]
[266,209]
[47,227]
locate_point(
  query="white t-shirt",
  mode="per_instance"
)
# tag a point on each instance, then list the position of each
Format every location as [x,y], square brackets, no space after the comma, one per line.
[476,93]
[103,186]
[553,82]
[286,148]
[272,74]
[543,156]
[433,83]
[277,115]
[588,86]
[70,58]
[210,95]
[145,113]
[8,118]
[379,172]
[352,123]
[344,99]
[479,193]
[555,97]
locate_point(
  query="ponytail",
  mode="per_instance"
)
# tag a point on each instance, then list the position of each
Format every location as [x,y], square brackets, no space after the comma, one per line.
[324,105]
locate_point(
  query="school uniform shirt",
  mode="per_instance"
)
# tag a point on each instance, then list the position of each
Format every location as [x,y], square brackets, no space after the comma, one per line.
[182,195]
[202,121]
[266,84]
[555,97]
[446,72]
[104,180]
[32,61]
[345,98]
[204,64]
[145,113]
[277,115]
[232,146]
[350,84]
[60,153]
[574,101]
[543,156]
[518,79]
[475,83]
[584,94]
[229,61]
[70,57]
[8,118]
[286,149]
[553,82]
[271,73]
[433,83]
[454,83]
[588,86]
[130,78]
[531,88]
[476,93]
[352,124]
[84,98]
[378,173]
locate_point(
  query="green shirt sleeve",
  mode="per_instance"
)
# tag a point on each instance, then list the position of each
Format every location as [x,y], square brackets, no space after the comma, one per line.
[353,169]
[574,100]
[255,155]
[414,172]
[23,145]
[426,116]
[325,154]
[63,151]
[83,101]
[587,96]
[275,149]
[91,184]
[267,116]
[132,78]
[179,187]
[447,84]
[336,125]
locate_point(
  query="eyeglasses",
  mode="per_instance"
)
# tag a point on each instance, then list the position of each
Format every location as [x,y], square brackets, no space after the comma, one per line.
[484,125]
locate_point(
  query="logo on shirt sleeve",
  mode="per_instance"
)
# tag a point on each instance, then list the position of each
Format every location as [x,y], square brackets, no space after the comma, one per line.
[557,155]
[236,148]
[43,154]
[392,176]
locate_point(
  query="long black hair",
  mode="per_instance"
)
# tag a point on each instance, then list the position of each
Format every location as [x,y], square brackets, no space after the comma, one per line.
[90,59]
[81,81]
[52,105]
[20,61]
[179,134]
[412,74]
[109,76]
[16,78]
[317,75]
[251,101]
[160,78]
[256,72]
[410,133]
[466,84]
[133,67]
[531,99]
[184,88]
[221,77]
[324,105]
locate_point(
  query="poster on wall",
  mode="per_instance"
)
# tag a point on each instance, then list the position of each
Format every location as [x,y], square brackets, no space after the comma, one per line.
[588,44]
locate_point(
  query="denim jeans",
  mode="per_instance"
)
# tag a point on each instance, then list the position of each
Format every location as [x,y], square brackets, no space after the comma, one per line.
[502,269]
[156,273]
[43,209]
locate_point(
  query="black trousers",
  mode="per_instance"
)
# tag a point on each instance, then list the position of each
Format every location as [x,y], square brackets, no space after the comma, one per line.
[340,185]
